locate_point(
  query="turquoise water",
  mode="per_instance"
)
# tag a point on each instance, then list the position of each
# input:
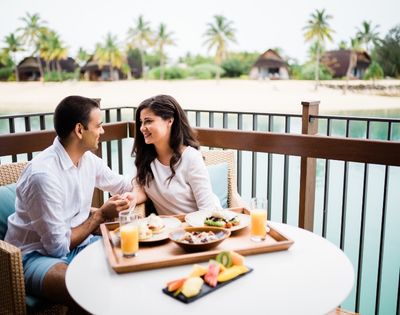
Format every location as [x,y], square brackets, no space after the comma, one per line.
[373,210]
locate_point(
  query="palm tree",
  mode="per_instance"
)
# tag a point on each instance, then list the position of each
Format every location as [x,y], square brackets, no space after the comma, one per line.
[31,35]
[109,54]
[318,30]
[315,50]
[367,34]
[219,34]
[44,50]
[140,37]
[52,49]
[163,38]
[58,52]
[13,46]
[82,56]
[354,48]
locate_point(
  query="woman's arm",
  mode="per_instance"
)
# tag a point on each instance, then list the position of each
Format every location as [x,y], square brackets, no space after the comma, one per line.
[139,193]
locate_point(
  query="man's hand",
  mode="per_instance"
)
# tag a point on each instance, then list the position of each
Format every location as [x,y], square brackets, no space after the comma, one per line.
[131,197]
[112,206]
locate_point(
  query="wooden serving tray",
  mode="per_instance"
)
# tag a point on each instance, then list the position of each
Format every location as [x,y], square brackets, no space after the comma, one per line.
[167,253]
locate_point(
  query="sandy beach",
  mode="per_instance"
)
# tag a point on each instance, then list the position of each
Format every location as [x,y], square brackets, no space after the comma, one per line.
[227,95]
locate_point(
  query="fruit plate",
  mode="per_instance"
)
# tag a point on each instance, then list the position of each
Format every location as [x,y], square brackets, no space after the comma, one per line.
[206,289]
[220,234]
[197,218]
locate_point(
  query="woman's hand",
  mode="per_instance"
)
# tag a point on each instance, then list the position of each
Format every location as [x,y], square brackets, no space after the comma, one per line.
[131,198]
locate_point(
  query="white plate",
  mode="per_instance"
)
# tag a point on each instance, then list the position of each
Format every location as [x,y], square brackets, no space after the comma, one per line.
[171,223]
[197,218]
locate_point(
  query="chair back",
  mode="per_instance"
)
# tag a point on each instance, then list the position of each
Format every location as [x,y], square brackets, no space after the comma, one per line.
[12,298]
[218,156]
[9,173]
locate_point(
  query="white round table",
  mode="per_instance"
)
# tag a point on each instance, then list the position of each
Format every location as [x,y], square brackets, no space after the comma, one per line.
[312,277]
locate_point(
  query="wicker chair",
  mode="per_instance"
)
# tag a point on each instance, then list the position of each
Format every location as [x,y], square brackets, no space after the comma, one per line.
[12,297]
[217,156]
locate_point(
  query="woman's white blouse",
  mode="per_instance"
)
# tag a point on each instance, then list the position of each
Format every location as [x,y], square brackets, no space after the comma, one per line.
[188,191]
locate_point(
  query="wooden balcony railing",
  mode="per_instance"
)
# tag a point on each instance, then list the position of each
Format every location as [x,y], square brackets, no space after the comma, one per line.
[308,146]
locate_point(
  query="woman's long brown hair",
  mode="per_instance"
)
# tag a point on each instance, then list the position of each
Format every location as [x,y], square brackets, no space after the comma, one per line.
[166,107]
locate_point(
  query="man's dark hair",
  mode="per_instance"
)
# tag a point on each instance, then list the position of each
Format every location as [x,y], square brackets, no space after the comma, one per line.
[72,110]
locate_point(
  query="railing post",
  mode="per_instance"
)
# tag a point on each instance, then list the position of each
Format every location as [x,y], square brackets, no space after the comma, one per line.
[308,169]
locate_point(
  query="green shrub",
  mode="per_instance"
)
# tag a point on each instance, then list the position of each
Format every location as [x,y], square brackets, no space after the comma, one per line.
[387,52]
[295,71]
[233,68]
[52,76]
[195,60]
[308,72]
[170,73]
[246,59]
[6,74]
[373,72]
[205,71]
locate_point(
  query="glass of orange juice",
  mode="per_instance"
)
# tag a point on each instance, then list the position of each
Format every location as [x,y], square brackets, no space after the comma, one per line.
[129,232]
[258,218]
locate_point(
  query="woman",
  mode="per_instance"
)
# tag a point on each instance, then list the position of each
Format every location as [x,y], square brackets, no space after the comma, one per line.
[170,169]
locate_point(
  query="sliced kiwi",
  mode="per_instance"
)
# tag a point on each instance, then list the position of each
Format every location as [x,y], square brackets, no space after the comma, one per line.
[225,259]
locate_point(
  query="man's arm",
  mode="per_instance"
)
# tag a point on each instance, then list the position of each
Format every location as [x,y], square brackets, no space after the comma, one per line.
[109,210]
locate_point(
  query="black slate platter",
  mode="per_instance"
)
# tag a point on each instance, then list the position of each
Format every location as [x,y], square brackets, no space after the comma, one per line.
[206,289]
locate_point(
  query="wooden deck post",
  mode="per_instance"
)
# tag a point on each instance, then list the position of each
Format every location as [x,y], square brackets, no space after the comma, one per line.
[308,169]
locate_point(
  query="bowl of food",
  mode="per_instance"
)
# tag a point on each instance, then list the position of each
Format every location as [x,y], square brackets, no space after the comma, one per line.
[197,239]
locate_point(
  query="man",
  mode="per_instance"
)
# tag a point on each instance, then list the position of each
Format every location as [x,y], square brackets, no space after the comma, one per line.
[53,220]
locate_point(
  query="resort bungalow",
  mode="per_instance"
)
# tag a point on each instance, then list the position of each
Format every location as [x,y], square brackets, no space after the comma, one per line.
[28,68]
[269,65]
[91,71]
[338,62]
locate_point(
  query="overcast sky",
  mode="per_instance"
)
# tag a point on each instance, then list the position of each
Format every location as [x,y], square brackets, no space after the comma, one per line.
[259,24]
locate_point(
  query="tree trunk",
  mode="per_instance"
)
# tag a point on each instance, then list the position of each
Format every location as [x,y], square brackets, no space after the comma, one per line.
[143,64]
[40,68]
[111,72]
[16,70]
[161,66]
[317,70]
[352,64]
[218,61]
[59,70]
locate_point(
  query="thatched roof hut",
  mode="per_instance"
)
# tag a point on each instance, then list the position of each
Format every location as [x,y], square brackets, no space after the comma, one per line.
[92,71]
[270,65]
[28,68]
[338,62]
